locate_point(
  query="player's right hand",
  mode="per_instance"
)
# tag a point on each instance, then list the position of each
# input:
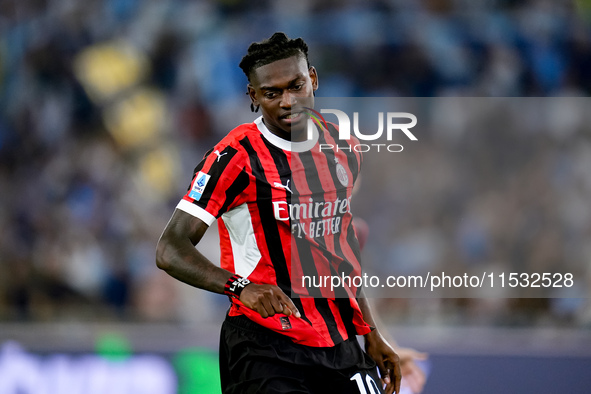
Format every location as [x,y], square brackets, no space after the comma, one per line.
[268,300]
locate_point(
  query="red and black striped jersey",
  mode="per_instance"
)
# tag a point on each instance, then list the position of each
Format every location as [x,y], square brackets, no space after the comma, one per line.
[284,216]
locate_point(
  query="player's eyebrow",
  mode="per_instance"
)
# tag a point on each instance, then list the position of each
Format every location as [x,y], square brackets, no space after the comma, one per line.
[290,83]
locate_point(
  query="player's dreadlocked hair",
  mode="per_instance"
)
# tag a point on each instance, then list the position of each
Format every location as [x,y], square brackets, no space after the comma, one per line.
[278,47]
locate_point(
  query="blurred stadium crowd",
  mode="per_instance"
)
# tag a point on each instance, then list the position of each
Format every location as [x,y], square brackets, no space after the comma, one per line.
[107,105]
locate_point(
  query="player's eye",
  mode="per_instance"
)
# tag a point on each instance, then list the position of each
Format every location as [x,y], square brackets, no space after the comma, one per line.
[298,87]
[270,95]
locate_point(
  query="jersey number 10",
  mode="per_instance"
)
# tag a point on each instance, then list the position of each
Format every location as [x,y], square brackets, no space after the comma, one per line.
[371,384]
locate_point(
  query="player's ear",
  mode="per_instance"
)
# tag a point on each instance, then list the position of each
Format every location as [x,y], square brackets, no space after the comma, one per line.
[313,77]
[254,103]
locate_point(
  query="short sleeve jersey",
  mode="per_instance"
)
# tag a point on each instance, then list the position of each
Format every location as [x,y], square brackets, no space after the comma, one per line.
[283,211]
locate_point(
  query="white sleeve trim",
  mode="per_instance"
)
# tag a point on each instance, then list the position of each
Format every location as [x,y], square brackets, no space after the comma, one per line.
[196,211]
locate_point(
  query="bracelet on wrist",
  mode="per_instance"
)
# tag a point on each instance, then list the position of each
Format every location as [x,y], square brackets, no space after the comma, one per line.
[235,285]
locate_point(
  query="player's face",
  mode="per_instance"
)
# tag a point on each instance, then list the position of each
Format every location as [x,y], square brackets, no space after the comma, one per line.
[282,89]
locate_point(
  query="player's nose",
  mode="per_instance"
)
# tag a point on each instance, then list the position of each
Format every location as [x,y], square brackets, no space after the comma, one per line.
[288,100]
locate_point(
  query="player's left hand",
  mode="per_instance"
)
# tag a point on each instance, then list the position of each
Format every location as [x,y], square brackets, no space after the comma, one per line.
[387,360]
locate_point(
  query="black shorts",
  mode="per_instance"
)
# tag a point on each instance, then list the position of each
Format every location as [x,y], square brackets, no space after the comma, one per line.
[254,359]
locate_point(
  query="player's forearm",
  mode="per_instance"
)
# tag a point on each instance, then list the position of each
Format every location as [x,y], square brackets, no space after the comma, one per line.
[188,265]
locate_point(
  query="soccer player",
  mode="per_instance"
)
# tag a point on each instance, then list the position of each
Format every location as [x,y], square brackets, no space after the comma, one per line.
[283,211]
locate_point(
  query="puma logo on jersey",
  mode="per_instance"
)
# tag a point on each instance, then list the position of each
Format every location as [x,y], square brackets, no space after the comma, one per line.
[219,155]
[286,186]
